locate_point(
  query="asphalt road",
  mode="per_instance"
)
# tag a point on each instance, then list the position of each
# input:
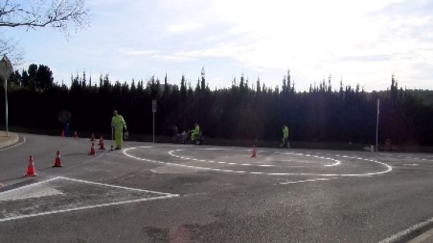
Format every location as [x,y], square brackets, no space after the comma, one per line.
[187,193]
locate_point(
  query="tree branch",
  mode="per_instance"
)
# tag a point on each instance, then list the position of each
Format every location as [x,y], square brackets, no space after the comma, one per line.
[58,15]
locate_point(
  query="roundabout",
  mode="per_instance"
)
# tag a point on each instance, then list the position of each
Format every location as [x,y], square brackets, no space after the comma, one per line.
[271,162]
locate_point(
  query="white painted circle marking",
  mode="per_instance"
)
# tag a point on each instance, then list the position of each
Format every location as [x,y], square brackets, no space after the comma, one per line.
[388,168]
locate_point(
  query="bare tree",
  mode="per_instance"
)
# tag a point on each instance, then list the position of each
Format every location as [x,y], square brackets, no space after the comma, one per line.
[10,47]
[44,13]
[32,14]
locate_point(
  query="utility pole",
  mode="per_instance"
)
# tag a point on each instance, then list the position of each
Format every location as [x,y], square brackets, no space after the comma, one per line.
[154,107]
[377,125]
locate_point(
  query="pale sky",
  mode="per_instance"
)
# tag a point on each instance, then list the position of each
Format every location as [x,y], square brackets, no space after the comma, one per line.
[361,42]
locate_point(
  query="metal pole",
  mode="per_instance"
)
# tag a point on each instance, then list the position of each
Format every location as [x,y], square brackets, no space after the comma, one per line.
[377,125]
[6,108]
[153,127]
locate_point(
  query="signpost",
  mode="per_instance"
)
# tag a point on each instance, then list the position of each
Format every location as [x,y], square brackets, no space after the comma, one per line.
[6,70]
[377,125]
[154,107]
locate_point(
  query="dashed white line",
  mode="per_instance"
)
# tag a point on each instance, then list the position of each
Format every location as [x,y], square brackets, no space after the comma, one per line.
[309,180]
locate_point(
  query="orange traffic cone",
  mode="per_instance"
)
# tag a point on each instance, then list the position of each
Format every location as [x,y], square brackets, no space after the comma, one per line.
[92,149]
[31,171]
[58,162]
[254,152]
[101,144]
[62,134]
[92,138]
[75,134]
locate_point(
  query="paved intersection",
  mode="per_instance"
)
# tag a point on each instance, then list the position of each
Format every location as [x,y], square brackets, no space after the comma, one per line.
[184,193]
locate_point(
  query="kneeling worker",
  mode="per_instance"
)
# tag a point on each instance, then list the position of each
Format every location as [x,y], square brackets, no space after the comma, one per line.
[118,124]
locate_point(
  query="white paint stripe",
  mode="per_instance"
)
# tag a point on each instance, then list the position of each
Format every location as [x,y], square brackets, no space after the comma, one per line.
[246,164]
[309,180]
[389,168]
[15,145]
[266,165]
[232,163]
[26,186]
[220,162]
[337,162]
[406,232]
[211,161]
[86,207]
[113,186]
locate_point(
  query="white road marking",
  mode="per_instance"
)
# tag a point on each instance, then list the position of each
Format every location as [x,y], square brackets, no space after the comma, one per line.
[406,232]
[388,168]
[337,162]
[309,180]
[164,196]
[410,164]
[37,191]
[27,186]
[113,186]
[86,207]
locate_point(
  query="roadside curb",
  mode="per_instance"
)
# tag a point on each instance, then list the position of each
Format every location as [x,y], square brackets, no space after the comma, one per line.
[10,142]
[423,238]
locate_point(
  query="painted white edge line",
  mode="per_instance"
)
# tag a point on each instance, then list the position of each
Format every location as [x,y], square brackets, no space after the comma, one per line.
[86,207]
[309,180]
[114,186]
[389,168]
[15,145]
[30,185]
[406,232]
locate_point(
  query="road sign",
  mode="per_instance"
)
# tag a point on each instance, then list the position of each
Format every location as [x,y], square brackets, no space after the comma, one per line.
[6,68]
[154,106]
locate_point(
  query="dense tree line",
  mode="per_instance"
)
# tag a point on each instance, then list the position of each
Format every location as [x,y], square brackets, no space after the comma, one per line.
[246,110]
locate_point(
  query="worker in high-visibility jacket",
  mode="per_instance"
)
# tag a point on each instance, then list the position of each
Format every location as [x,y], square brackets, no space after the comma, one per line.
[195,133]
[118,124]
[285,139]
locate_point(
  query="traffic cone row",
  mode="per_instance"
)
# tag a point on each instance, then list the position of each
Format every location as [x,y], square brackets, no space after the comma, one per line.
[31,170]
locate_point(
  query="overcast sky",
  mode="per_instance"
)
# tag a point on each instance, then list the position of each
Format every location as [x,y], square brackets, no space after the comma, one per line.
[361,42]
